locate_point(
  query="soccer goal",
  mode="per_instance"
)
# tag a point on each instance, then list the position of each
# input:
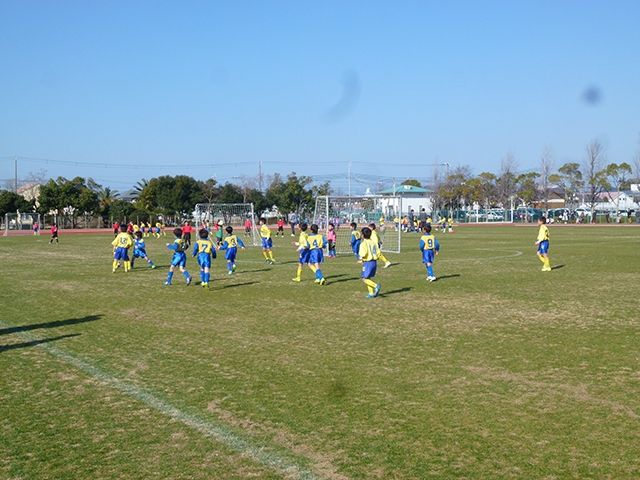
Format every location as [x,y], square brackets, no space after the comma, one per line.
[231,214]
[20,221]
[382,210]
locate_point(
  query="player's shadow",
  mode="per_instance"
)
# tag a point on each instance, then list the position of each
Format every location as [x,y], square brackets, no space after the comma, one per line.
[239,285]
[242,272]
[5,348]
[557,267]
[393,292]
[453,275]
[288,262]
[57,323]
[341,280]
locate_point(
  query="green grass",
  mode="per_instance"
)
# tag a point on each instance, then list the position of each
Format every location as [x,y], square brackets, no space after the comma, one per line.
[496,370]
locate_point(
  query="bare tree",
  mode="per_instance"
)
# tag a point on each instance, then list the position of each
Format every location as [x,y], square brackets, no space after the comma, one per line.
[247,184]
[547,164]
[595,177]
[506,185]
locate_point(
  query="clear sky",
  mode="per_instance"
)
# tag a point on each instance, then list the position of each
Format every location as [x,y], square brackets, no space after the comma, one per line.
[124,90]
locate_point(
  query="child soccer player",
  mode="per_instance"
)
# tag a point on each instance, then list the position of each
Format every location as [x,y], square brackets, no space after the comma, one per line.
[331,240]
[376,239]
[355,240]
[230,244]
[304,251]
[247,228]
[267,243]
[140,250]
[219,232]
[54,233]
[121,245]
[429,246]
[543,244]
[315,244]
[280,227]
[368,253]
[205,250]
[36,228]
[179,257]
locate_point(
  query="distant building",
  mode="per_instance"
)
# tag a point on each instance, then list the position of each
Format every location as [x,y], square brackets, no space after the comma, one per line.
[413,198]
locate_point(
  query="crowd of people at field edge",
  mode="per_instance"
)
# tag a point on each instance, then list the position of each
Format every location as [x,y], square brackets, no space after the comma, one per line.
[365,244]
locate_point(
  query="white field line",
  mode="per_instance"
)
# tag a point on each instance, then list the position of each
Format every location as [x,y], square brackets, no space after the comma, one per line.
[256,453]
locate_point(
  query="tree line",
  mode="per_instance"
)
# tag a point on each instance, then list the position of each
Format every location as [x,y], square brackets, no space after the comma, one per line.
[174,197]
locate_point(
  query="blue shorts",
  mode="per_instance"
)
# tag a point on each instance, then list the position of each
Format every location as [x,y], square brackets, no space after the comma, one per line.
[316,255]
[369,269]
[543,247]
[139,253]
[204,260]
[304,255]
[121,253]
[179,259]
[428,255]
[267,243]
[230,254]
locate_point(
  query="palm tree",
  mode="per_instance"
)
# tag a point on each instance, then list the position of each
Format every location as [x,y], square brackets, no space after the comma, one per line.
[138,187]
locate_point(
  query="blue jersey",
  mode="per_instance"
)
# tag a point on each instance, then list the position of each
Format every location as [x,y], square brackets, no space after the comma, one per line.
[179,257]
[139,248]
[315,244]
[231,244]
[203,248]
[428,246]
[355,241]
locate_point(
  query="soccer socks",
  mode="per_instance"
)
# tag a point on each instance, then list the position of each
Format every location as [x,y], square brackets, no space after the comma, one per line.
[319,274]
[115,265]
[271,256]
[230,267]
[313,268]
[127,266]
[148,260]
[371,285]
[430,271]
[547,263]
[266,255]
[169,277]
[207,275]
[299,272]
[381,256]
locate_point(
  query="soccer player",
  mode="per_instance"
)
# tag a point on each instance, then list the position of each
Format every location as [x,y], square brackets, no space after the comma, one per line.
[304,251]
[315,244]
[121,245]
[186,231]
[429,246]
[36,228]
[205,250]
[230,244]
[54,233]
[179,257]
[331,240]
[376,239]
[247,228]
[140,250]
[355,240]
[280,227]
[267,243]
[543,244]
[368,254]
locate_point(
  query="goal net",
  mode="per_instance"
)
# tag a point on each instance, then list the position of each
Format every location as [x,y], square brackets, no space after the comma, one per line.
[20,221]
[382,210]
[230,214]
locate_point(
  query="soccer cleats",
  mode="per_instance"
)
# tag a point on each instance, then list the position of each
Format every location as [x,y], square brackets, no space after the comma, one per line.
[387,264]
[189,280]
[377,290]
[295,280]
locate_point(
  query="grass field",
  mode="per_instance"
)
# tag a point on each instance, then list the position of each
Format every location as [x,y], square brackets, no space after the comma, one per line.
[496,370]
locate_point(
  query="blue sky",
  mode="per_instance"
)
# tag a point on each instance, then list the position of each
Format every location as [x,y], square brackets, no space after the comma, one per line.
[124,90]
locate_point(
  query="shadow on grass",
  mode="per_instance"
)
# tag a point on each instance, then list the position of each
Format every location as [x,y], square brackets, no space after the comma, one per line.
[557,267]
[58,323]
[350,279]
[5,348]
[453,275]
[393,292]
[239,272]
[238,285]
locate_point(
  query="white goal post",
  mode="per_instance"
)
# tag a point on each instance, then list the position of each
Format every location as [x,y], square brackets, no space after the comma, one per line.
[20,221]
[231,214]
[382,210]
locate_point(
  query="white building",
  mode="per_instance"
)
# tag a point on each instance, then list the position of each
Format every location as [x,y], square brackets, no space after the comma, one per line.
[413,198]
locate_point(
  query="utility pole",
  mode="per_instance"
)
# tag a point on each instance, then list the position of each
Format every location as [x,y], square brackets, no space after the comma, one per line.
[15,174]
[260,176]
[349,178]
